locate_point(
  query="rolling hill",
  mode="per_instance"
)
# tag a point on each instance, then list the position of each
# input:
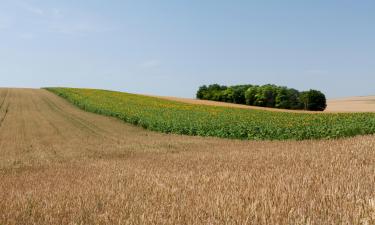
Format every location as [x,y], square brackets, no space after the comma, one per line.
[62,165]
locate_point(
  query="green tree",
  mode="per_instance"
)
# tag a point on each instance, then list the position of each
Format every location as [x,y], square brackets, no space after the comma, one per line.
[228,95]
[294,99]
[202,92]
[250,95]
[314,100]
[266,96]
[239,94]
[282,99]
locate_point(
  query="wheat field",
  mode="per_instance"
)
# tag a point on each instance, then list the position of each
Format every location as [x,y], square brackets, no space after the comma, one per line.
[60,165]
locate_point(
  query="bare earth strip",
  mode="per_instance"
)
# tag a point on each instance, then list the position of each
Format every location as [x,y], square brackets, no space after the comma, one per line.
[60,165]
[353,104]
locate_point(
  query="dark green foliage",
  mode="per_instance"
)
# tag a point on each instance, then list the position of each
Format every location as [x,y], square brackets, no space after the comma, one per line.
[314,100]
[265,96]
[282,99]
[212,92]
[202,91]
[228,95]
[250,95]
[294,99]
[239,93]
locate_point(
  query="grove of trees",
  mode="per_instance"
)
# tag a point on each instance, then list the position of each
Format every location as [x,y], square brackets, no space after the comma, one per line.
[268,95]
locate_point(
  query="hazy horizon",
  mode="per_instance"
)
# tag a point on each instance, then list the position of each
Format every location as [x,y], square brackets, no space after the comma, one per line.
[171,48]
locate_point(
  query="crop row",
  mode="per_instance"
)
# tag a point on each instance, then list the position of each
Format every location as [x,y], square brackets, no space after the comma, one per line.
[188,119]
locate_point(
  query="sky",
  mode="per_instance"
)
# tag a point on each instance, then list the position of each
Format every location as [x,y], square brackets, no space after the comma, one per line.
[171,47]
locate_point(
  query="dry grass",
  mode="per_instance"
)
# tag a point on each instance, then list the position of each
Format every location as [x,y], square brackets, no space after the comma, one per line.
[59,165]
[353,104]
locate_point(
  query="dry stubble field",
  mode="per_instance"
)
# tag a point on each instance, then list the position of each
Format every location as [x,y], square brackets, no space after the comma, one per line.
[60,165]
[344,105]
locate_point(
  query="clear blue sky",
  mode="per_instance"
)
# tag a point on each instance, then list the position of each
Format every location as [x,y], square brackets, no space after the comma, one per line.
[172,47]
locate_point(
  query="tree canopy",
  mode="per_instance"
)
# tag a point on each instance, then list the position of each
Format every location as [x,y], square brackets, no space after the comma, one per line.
[268,95]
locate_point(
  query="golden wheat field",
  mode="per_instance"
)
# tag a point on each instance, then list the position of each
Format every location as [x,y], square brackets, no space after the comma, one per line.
[61,165]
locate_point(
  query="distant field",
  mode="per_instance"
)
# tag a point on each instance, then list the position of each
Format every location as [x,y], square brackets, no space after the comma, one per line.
[204,120]
[227,104]
[352,104]
[62,165]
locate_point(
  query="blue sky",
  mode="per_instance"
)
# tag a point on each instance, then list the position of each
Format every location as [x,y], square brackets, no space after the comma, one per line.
[172,47]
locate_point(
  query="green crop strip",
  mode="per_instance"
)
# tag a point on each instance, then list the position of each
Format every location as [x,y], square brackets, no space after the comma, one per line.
[188,119]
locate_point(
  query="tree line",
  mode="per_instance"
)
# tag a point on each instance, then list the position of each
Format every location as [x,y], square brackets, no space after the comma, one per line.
[268,95]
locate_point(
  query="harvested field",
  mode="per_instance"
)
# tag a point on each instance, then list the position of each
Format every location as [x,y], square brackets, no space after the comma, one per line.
[61,165]
[353,104]
[226,104]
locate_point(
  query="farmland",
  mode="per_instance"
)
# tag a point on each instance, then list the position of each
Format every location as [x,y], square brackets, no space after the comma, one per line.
[181,118]
[341,105]
[61,165]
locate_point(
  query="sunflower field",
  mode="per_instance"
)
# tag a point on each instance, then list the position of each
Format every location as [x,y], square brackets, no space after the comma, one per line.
[188,119]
